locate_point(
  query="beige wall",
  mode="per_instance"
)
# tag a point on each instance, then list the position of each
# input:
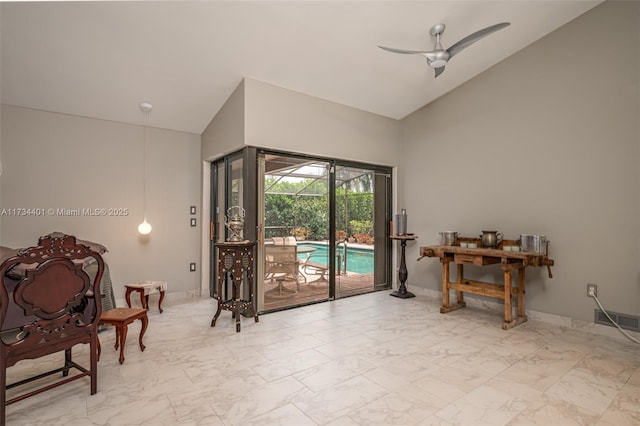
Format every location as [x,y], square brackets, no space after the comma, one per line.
[546,142]
[282,119]
[225,132]
[262,115]
[68,162]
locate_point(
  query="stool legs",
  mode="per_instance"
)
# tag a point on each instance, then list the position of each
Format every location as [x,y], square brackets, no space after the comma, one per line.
[121,336]
[144,299]
[127,296]
[144,321]
[159,301]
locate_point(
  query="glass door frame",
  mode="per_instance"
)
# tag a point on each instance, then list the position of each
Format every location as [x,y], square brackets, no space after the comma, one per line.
[381,226]
[250,203]
[382,214]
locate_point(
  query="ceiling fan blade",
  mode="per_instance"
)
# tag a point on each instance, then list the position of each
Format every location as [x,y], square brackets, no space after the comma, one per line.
[472,38]
[439,70]
[409,52]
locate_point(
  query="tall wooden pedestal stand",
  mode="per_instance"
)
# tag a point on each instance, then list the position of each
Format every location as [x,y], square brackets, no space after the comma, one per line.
[402,271]
[235,259]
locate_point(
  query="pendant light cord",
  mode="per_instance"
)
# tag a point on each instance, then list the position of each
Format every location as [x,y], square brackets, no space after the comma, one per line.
[144,228]
[144,189]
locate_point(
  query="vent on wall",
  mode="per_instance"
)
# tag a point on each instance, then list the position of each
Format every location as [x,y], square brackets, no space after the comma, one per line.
[628,322]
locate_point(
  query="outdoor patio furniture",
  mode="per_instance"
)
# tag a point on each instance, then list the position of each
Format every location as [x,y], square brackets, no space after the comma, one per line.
[281,265]
[310,267]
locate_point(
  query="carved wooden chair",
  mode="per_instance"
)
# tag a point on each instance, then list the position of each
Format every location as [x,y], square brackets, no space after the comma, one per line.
[53,307]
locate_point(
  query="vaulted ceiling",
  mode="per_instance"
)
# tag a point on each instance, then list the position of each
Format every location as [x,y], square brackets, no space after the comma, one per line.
[101,59]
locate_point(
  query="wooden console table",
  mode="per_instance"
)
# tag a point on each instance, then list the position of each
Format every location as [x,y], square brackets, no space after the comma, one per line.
[235,260]
[509,261]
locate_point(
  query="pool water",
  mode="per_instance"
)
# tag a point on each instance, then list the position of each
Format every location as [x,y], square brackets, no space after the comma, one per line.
[359,260]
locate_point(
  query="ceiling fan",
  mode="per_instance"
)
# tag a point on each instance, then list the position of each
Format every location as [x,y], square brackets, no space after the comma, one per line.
[438,57]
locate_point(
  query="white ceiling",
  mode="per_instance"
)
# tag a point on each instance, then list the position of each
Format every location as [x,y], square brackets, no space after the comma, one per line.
[100,59]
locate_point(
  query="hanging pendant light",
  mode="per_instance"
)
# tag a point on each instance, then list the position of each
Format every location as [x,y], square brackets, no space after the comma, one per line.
[145,227]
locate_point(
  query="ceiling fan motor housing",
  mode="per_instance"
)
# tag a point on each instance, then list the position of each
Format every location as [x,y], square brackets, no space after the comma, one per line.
[437,58]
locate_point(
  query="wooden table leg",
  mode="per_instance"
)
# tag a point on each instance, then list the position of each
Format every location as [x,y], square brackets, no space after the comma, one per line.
[217,314]
[508,308]
[252,311]
[521,293]
[447,306]
[236,282]
[237,314]
[445,283]
[509,291]
[460,272]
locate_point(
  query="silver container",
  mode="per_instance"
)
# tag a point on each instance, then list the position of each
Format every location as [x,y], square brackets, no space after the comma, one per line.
[448,238]
[534,243]
[491,239]
[400,223]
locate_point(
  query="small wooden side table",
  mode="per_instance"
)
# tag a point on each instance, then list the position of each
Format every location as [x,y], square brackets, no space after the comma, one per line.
[403,274]
[235,260]
[120,318]
[145,288]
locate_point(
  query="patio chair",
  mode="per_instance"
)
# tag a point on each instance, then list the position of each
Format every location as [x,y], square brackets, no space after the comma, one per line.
[282,264]
[310,267]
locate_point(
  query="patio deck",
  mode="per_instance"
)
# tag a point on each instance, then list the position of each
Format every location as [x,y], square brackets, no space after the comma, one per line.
[313,291]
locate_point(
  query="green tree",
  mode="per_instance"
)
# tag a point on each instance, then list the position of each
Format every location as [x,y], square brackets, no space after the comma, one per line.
[305,203]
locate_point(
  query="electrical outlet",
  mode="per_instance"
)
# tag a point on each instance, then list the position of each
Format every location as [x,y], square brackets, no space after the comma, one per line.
[192,267]
[592,290]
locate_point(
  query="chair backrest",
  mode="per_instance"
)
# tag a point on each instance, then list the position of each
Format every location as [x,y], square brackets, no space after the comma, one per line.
[284,241]
[281,254]
[60,304]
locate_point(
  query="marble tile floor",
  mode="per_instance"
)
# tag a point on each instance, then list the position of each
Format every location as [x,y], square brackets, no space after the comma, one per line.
[365,360]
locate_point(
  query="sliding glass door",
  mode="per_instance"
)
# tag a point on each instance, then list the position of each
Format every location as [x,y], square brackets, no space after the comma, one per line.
[330,218]
[321,225]
[295,194]
[361,212]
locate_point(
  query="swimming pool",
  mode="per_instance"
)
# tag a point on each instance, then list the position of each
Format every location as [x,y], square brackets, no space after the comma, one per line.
[359,260]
